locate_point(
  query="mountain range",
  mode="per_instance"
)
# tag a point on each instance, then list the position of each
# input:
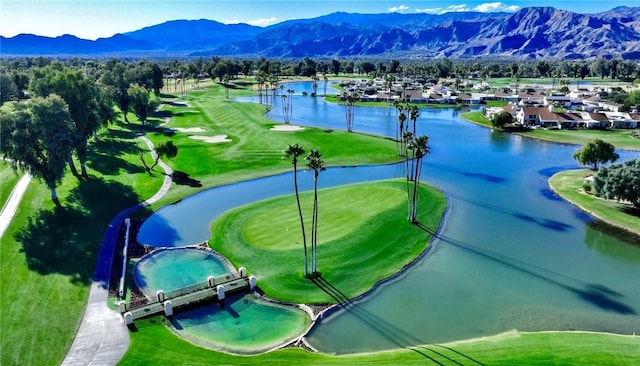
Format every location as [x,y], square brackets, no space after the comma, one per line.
[535,32]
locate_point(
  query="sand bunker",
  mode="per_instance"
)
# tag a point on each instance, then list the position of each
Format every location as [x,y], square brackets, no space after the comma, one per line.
[190,129]
[211,139]
[286,128]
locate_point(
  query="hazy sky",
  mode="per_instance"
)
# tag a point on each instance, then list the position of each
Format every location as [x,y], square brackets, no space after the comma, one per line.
[95,19]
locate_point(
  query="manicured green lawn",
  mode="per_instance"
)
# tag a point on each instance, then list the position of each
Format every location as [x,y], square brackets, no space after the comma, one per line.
[48,255]
[8,180]
[477,117]
[363,237]
[568,184]
[509,349]
[255,150]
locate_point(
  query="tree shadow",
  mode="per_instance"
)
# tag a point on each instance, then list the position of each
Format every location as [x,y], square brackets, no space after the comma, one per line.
[547,223]
[66,240]
[486,177]
[183,179]
[395,335]
[595,294]
[104,156]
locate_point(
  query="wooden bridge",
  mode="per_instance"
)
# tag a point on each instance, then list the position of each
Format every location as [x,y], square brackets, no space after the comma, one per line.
[212,290]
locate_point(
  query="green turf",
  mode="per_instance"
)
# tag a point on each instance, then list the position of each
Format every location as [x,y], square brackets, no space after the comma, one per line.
[48,255]
[509,349]
[8,180]
[568,185]
[255,150]
[363,237]
[620,138]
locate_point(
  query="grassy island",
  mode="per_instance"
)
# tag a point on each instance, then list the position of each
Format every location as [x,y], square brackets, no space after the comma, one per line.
[364,237]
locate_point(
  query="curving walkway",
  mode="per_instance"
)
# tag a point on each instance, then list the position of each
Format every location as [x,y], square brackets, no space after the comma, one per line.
[103,338]
[11,206]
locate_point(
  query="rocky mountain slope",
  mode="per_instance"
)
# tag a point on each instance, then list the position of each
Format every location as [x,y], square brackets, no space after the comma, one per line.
[537,32]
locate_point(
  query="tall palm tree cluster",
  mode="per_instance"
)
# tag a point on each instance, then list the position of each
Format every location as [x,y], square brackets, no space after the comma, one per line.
[315,163]
[413,148]
[287,104]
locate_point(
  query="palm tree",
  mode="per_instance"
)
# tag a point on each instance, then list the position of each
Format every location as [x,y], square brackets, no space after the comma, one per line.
[294,151]
[414,113]
[402,117]
[315,163]
[420,148]
[349,109]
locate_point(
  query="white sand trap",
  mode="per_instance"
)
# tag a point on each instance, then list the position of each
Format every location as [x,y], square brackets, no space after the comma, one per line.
[190,129]
[211,139]
[286,128]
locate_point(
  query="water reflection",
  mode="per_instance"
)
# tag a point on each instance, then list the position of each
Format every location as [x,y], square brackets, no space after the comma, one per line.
[510,254]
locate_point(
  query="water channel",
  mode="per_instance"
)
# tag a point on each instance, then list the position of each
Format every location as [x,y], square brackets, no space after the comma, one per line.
[510,254]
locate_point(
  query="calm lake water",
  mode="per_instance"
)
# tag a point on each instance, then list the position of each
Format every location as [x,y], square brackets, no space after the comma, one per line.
[510,254]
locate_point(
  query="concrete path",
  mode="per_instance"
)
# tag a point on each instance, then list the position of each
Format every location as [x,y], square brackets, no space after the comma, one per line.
[103,338]
[11,206]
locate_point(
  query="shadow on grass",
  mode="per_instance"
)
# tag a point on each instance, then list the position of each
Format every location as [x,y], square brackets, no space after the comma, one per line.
[104,156]
[66,240]
[595,294]
[388,330]
[183,179]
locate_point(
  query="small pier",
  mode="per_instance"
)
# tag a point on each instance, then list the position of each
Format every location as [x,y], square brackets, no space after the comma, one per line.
[214,289]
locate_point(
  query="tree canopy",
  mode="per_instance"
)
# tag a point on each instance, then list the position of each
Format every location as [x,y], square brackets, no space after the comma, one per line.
[594,152]
[620,182]
[37,136]
[502,119]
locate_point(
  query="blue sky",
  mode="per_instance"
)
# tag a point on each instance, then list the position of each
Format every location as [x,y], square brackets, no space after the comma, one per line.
[94,19]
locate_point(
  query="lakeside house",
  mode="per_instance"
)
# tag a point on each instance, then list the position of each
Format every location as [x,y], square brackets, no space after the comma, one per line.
[532,107]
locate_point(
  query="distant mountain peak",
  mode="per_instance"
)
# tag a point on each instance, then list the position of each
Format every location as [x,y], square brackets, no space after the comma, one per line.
[531,32]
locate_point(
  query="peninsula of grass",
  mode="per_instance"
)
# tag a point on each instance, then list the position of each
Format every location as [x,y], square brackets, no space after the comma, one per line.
[363,238]
[547,348]
[568,185]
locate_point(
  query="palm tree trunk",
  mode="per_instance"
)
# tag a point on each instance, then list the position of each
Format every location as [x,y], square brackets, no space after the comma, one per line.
[304,234]
[416,181]
[314,231]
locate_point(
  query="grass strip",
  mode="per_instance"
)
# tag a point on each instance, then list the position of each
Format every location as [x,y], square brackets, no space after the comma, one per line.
[568,185]
[546,348]
[48,255]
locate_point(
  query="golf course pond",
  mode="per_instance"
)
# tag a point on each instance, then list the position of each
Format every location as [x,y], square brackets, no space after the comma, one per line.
[509,254]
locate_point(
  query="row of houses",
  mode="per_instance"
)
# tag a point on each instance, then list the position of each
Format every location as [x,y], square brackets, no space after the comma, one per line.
[532,107]
[545,117]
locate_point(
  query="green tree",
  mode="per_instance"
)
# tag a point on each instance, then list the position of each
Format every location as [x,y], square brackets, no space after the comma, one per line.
[141,103]
[38,138]
[414,113]
[594,152]
[619,182]
[167,150]
[633,98]
[294,151]
[8,88]
[119,77]
[418,147]
[502,119]
[315,163]
[82,95]
[349,109]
